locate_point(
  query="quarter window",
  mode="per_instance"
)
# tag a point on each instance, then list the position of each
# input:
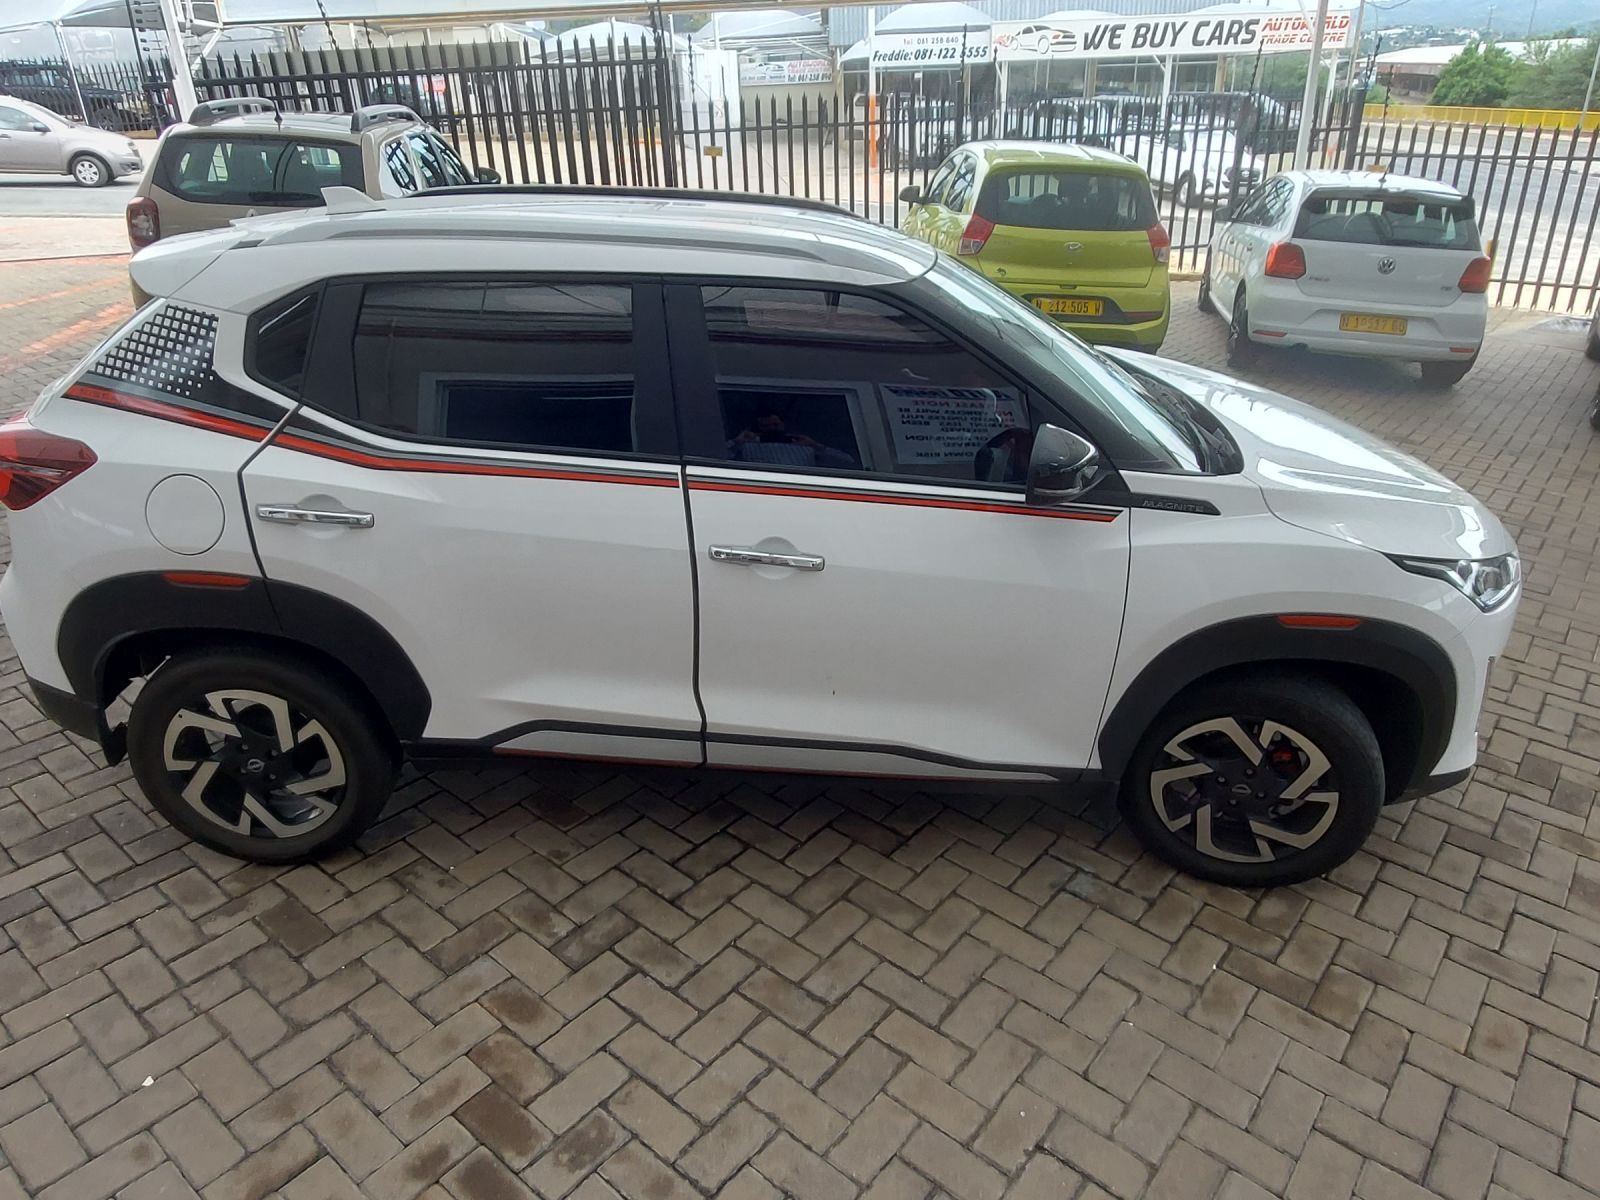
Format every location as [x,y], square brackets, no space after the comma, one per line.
[813,379]
[281,339]
[539,366]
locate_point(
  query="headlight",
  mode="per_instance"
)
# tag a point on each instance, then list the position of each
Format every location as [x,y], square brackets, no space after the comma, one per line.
[1487,582]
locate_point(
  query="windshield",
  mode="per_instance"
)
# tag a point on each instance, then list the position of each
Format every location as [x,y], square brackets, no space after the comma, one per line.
[1162,438]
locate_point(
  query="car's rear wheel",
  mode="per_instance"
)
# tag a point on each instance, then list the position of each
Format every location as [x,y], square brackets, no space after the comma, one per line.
[1187,196]
[1257,782]
[1443,375]
[90,170]
[1203,300]
[1592,345]
[261,758]
[1241,350]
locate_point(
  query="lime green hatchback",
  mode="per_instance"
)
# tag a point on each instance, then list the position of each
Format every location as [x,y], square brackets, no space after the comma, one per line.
[1070,229]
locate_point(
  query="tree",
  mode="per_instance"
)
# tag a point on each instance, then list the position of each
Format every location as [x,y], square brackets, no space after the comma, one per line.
[1553,76]
[1481,74]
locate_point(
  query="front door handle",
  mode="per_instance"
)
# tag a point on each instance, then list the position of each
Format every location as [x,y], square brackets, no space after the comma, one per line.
[750,556]
[288,514]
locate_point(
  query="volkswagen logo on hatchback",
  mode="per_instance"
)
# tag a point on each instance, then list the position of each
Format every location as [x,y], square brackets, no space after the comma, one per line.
[1386,266]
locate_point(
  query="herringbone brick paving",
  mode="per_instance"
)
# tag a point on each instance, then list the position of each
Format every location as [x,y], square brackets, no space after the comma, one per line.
[591,983]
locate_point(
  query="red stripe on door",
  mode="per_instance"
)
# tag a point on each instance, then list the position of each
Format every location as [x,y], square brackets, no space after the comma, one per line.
[1021,510]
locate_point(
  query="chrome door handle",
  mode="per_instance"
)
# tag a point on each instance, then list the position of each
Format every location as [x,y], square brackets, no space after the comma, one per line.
[288,514]
[750,556]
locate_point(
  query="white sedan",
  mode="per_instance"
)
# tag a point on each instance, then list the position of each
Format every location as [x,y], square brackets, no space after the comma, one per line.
[1348,262]
[1198,165]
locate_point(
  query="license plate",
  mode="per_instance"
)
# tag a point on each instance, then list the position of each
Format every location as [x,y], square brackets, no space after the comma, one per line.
[1364,323]
[1059,306]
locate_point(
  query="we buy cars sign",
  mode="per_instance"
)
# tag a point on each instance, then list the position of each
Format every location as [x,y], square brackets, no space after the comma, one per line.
[1189,36]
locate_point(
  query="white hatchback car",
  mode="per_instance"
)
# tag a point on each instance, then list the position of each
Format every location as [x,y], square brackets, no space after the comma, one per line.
[695,480]
[1350,262]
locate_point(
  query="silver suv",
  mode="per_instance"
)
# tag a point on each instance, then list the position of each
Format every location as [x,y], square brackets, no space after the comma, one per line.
[241,157]
[33,138]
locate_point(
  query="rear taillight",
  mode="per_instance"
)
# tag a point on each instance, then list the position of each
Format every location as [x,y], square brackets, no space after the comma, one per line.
[1285,260]
[975,235]
[34,463]
[144,222]
[1476,277]
[1160,242]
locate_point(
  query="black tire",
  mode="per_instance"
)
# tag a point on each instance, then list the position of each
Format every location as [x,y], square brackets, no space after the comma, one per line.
[1594,414]
[1241,350]
[90,170]
[1439,376]
[1314,716]
[1203,299]
[1187,196]
[1591,346]
[350,744]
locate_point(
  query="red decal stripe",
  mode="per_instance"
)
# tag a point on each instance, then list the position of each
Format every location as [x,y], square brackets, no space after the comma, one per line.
[1021,510]
[382,462]
[1317,621]
[378,462]
[166,412]
[213,579]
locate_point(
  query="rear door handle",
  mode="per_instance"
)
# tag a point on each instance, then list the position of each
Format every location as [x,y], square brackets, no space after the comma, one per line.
[288,514]
[750,556]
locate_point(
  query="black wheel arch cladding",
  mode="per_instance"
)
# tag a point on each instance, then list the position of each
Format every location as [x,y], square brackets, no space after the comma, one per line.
[147,611]
[1412,717]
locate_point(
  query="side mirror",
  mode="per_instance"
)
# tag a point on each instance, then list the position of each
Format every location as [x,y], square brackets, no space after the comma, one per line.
[911,194]
[39,127]
[1223,214]
[488,175]
[1063,466]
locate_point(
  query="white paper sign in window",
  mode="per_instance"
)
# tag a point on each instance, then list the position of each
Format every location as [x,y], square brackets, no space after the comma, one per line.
[932,425]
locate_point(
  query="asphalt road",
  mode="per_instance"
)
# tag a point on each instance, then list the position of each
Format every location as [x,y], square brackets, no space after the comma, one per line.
[58,196]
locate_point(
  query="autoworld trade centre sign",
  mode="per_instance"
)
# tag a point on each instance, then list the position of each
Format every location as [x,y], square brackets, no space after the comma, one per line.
[1188,36]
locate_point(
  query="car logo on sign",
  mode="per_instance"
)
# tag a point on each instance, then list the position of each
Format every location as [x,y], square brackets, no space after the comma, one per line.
[1385,266]
[1072,247]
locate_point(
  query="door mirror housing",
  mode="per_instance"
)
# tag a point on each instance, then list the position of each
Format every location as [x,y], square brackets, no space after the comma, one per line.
[488,175]
[1062,467]
[912,194]
[39,127]
[1223,214]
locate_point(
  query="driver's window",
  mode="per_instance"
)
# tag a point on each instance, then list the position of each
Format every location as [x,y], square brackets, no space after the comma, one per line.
[940,181]
[960,193]
[15,118]
[814,379]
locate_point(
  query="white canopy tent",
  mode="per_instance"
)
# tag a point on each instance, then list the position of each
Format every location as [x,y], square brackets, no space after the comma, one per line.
[631,39]
[943,34]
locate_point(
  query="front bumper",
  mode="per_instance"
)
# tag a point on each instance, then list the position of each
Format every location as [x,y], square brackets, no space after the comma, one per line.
[1282,315]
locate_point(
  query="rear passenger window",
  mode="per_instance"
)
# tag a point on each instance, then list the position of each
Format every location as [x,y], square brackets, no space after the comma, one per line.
[439,164]
[398,177]
[230,169]
[823,379]
[540,366]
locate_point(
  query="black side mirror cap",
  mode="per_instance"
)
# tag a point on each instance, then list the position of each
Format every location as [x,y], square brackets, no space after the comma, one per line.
[488,175]
[1061,467]
[911,194]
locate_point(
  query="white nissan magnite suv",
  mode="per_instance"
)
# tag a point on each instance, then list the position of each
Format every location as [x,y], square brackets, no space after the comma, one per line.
[705,480]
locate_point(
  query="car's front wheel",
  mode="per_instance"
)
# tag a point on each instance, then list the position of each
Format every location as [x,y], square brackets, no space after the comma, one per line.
[90,170]
[1591,345]
[258,757]
[1256,782]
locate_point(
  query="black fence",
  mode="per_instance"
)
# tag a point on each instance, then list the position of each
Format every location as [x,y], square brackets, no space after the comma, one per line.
[127,97]
[613,114]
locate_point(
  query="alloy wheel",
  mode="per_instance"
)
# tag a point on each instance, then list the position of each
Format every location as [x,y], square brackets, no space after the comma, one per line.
[254,764]
[1245,790]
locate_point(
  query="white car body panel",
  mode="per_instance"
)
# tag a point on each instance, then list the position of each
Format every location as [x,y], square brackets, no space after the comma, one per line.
[926,630]
[1420,285]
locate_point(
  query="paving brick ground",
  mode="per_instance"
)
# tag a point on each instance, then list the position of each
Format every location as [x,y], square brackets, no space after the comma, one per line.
[591,983]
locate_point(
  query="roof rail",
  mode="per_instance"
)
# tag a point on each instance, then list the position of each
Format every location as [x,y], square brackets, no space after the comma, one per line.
[377,114]
[210,112]
[646,193]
